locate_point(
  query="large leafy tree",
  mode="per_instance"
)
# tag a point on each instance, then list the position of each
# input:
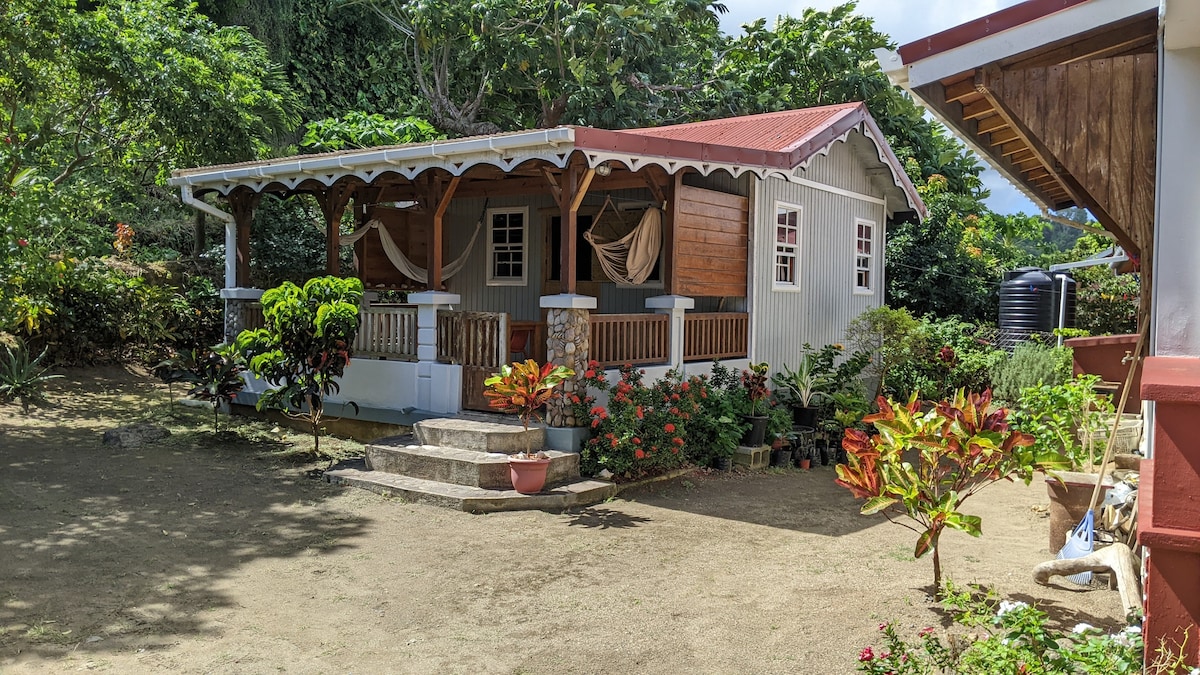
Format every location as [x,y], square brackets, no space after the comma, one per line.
[487,65]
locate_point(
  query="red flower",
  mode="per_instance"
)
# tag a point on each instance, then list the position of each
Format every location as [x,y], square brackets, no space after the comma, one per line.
[669,428]
[593,364]
[639,454]
[640,414]
[674,410]
[22,243]
[685,386]
[595,423]
[674,397]
[597,410]
[574,398]
[677,440]
[703,393]
[637,441]
[614,442]
[589,374]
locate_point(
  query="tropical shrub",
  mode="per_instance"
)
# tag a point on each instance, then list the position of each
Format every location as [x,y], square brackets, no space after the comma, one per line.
[1006,637]
[891,335]
[1032,364]
[22,378]
[215,375]
[524,388]
[1059,416]
[961,447]
[647,429]
[945,355]
[305,345]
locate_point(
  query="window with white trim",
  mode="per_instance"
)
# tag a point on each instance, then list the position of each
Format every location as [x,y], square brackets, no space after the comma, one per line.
[787,245]
[864,256]
[507,260]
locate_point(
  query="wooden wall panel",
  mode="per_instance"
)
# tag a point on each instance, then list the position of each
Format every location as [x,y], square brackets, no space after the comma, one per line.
[1098,120]
[711,243]
[410,234]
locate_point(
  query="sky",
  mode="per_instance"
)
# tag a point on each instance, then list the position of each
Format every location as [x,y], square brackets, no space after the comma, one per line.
[905,21]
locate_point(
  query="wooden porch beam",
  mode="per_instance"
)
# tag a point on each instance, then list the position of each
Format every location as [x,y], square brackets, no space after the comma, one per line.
[957,91]
[1001,136]
[978,109]
[581,191]
[554,188]
[568,219]
[990,124]
[669,220]
[653,184]
[242,203]
[333,202]
[435,241]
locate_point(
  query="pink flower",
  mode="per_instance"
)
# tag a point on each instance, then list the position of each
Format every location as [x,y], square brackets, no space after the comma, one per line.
[925,632]
[22,243]
[866,655]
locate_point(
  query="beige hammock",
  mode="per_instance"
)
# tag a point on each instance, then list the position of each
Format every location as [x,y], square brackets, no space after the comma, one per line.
[400,261]
[630,259]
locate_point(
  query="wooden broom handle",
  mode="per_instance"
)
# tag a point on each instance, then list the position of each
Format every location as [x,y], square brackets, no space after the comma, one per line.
[1112,436]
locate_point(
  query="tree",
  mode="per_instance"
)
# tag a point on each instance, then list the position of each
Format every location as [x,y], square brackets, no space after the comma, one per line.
[304,347]
[483,66]
[962,446]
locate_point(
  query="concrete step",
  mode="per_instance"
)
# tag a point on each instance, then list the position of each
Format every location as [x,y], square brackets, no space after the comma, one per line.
[477,435]
[400,455]
[473,499]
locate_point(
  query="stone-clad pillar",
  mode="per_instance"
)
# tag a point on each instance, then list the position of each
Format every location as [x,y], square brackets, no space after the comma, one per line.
[236,301]
[568,338]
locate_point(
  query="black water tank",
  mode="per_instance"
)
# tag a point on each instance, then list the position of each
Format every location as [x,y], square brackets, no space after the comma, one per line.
[1058,305]
[1028,300]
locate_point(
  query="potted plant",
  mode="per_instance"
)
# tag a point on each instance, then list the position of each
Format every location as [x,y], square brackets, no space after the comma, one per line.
[523,388]
[754,383]
[801,454]
[807,389]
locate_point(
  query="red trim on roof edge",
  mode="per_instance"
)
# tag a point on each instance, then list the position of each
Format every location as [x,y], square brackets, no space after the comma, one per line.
[966,33]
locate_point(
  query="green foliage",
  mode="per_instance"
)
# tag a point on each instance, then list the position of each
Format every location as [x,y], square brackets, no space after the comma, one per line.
[1059,415]
[524,388]
[215,375]
[22,378]
[1032,364]
[360,130]
[305,345]
[1015,638]
[892,335]
[961,447]
[807,386]
[944,356]
[648,429]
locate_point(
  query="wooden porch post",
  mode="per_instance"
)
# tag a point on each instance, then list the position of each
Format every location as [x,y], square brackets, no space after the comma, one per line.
[672,208]
[243,203]
[571,192]
[333,204]
[435,243]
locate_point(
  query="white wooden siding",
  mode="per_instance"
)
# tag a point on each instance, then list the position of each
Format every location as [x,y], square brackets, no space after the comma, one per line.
[825,302]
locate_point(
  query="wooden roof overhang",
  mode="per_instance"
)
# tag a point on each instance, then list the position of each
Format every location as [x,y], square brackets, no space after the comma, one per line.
[1060,96]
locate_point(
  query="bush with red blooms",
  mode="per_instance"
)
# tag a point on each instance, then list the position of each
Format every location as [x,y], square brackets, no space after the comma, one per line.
[650,429]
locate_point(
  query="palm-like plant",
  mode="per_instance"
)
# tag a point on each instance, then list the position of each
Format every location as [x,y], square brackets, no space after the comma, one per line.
[21,377]
[806,386]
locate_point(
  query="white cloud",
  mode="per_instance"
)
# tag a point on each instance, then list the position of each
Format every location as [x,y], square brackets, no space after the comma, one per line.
[905,21]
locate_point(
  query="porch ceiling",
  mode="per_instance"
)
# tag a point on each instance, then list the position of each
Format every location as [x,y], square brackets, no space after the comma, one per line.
[1060,96]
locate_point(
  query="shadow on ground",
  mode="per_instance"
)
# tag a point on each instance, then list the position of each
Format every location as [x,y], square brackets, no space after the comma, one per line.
[792,499]
[186,511]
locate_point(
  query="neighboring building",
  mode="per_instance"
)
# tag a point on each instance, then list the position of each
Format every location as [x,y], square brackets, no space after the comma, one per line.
[755,234]
[1093,103]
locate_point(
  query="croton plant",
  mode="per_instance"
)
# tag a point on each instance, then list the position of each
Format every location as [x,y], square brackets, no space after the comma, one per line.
[961,446]
[523,388]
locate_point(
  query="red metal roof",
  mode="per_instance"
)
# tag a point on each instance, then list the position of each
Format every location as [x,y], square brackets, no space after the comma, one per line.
[966,33]
[772,132]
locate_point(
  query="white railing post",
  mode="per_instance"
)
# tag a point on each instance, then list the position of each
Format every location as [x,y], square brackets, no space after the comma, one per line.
[428,303]
[675,306]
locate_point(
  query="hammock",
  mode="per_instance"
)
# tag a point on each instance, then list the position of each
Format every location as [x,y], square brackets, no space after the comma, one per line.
[630,259]
[401,261]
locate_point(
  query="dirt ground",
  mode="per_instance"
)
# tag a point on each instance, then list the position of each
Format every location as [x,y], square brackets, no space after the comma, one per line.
[215,555]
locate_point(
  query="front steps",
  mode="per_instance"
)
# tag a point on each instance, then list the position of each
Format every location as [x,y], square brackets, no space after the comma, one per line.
[463,464]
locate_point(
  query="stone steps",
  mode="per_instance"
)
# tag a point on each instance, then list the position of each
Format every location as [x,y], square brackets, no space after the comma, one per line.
[399,455]
[463,464]
[473,499]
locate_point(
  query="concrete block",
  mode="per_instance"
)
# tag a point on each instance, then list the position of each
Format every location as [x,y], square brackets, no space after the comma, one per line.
[755,458]
[479,436]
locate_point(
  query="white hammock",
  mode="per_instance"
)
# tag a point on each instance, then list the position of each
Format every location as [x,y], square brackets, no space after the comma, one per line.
[401,261]
[630,259]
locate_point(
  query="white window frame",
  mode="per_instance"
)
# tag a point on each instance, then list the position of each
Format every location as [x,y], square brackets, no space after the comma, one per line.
[492,279]
[872,268]
[798,247]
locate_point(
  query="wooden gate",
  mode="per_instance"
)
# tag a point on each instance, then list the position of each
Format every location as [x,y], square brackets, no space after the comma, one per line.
[478,341]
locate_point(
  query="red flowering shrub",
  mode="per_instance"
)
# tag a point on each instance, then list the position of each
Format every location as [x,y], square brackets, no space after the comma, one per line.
[648,429]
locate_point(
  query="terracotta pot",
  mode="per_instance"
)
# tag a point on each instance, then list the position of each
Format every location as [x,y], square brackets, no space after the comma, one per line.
[528,475]
[806,464]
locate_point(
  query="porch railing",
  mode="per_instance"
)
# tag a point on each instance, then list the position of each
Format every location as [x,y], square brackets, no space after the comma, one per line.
[715,335]
[383,331]
[387,332]
[472,338]
[638,339]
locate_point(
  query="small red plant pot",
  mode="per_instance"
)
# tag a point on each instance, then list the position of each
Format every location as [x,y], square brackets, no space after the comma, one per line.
[528,475]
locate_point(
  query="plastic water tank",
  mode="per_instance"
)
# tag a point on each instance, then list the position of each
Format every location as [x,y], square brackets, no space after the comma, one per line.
[1028,300]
